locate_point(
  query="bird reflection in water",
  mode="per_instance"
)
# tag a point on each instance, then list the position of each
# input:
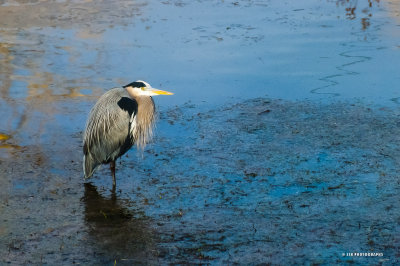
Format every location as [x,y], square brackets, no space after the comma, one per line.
[117,234]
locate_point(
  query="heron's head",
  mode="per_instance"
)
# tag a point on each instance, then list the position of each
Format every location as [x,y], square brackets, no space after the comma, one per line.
[142,88]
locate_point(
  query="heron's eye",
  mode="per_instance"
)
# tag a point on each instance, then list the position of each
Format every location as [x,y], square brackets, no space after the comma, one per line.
[143,88]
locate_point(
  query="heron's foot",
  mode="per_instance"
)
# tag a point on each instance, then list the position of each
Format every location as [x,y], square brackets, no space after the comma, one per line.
[112,168]
[114,183]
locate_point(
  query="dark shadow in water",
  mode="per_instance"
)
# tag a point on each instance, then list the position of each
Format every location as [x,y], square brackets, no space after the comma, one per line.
[351,7]
[117,233]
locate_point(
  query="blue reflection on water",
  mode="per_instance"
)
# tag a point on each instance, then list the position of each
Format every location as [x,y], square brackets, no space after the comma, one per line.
[310,53]
[301,50]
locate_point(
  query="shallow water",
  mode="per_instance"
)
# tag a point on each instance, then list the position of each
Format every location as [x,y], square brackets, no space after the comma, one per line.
[234,175]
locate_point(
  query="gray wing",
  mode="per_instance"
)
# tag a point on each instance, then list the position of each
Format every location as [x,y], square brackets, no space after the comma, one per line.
[107,134]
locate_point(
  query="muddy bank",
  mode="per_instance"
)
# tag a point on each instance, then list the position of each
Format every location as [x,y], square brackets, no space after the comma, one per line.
[89,14]
[261,181]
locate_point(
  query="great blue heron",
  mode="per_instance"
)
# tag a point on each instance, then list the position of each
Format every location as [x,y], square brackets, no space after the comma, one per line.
[121,118]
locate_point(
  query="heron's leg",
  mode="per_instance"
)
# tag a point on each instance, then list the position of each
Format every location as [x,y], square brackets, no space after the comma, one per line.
[112,168]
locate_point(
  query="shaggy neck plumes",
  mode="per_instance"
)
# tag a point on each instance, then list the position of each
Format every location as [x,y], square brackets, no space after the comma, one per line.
[143,122]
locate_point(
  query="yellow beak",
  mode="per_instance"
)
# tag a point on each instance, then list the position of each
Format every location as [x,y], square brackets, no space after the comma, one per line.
[161,92]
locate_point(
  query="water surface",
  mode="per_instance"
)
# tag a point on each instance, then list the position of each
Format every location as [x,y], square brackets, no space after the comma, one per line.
[279,145]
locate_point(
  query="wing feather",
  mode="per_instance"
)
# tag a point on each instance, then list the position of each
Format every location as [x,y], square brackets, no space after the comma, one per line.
[107,135]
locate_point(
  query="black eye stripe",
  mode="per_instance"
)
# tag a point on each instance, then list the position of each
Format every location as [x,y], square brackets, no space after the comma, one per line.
[135,84]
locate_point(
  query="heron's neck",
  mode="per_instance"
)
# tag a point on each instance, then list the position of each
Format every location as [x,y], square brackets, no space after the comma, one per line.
[144,119]
[145,105]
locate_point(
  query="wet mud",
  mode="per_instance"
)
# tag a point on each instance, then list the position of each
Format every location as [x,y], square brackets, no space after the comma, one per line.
[261,181]
[279,146]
